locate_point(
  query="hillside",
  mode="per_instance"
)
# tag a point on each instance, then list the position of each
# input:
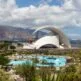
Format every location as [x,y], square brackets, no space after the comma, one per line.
[16,33]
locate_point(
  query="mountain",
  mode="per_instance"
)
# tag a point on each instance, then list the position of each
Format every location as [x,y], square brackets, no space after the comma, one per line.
[16,33]
[76,43]
[20,34]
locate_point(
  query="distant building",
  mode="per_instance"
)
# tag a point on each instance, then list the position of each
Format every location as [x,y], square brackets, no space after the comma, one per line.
[56,40]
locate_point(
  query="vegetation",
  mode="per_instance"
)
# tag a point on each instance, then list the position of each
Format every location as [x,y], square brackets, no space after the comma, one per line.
[4,45]
[47,74]
[12,47]
[35,60]
[4,76]
[71,68]
[30,73]
[27,71]
[4,60]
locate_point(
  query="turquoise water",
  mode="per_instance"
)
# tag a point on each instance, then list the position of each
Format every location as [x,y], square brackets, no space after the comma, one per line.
[44,61]
[14,62]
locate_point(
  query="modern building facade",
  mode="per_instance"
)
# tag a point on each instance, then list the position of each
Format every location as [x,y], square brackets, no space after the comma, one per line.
[58,39]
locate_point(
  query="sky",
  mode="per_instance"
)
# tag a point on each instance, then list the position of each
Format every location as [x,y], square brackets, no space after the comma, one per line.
[24,3]
[62,14]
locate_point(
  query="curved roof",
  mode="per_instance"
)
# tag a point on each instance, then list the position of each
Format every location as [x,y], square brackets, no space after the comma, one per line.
[62,37]
[51,40]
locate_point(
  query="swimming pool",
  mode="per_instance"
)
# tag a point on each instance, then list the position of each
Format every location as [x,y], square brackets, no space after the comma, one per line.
[43,61]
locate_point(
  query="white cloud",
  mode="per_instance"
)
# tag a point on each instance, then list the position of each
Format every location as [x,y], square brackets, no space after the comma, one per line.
[77,4]
[44,2]
[45,15]
[74,36]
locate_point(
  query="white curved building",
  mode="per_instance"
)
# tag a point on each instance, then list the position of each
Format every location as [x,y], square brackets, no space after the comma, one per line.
[47,40]
[57,39]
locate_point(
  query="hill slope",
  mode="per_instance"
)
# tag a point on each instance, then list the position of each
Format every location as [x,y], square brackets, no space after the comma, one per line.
[16,33]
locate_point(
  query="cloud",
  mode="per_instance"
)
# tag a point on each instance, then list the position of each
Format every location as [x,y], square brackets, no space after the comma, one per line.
[77,4]
[68,14]
[74,36]
[44,2]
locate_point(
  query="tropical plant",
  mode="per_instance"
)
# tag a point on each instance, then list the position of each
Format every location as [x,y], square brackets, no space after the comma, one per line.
[46,74]
[27,71]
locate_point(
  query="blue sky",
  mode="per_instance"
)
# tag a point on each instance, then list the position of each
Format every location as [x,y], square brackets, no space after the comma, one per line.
[24,3]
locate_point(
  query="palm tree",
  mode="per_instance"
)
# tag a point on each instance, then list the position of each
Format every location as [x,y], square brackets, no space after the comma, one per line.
[27,71]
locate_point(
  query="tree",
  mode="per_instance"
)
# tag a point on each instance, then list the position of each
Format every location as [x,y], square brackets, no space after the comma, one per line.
[12,47]
[4,60]
[4,45]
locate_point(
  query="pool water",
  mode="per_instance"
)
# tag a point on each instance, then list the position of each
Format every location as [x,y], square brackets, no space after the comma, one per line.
[43,61]
[17,62]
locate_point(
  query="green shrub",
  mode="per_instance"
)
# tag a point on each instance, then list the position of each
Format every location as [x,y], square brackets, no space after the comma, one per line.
[4,76]
[4,60]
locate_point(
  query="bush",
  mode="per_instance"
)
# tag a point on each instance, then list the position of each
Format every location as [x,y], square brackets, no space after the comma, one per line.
[4,76]
[71,68]
[4,60]
[12,47]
